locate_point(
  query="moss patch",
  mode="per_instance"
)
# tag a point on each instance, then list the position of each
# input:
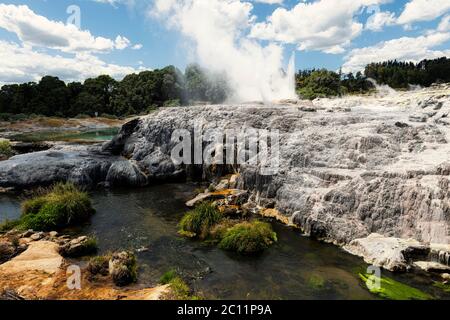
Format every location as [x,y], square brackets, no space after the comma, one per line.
[248,237]
[391,289]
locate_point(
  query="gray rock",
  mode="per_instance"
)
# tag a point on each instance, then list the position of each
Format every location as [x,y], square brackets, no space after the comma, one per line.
[7,251]
[81,246]
[385,252]
[37,236]
[125,173]
[431,266]
[122,268]
[82,165]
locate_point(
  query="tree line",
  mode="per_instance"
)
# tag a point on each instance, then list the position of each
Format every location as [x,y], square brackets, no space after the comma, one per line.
[312,84]
[135,94]
[400,75]
[148,90]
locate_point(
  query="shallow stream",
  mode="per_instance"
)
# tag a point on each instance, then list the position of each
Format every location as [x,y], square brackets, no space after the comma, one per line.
[294,268]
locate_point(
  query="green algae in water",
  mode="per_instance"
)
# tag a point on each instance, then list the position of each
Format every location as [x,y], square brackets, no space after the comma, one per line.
[316,282]
[443,286]
[391,289]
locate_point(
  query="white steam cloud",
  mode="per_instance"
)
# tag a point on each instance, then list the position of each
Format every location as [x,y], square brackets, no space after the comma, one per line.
[219,32]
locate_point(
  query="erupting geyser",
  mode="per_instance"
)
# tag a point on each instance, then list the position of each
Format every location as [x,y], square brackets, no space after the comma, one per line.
[218,32]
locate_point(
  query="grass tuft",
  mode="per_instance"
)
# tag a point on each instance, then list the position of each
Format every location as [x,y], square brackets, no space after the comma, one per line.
[59,207]
[168,276]
[179,289]
[248,237]
[198,222]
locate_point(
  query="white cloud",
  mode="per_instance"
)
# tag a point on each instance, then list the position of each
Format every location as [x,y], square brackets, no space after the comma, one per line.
[36,30]
[137,46]
[423,10]
[444,25]
[378,20]
[121,43]
[325,25]
[22,64]
[402,49]
[269,1]
[40,38]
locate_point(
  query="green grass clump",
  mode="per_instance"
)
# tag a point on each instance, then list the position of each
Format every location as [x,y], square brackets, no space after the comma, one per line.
[5,148]
[393,290]
[62,206]
[248,237]
[179,290]
[168,276]
[198,222]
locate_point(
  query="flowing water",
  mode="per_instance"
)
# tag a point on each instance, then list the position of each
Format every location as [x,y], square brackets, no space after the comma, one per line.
[294,268]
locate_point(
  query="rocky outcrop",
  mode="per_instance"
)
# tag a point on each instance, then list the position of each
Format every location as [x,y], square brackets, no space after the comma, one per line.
[363,168]
[355,166]
[390,253]
[83,165]
[41,256]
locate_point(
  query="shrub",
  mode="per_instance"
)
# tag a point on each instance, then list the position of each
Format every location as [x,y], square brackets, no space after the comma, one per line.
[5,148]
[62,206]
[198,222]
[248,237]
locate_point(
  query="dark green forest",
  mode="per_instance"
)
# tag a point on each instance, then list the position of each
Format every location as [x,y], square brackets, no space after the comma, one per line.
[104,96]
[402,74]
[149,90]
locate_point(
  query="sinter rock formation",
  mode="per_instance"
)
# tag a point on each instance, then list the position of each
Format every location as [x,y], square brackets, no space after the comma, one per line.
[348,167]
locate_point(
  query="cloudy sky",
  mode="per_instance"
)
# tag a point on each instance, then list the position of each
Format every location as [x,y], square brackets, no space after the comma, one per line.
[77,39]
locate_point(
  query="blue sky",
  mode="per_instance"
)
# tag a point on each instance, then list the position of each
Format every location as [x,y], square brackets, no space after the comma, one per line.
[323,33]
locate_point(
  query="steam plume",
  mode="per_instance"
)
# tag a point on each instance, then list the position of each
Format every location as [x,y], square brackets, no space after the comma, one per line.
[218,30]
